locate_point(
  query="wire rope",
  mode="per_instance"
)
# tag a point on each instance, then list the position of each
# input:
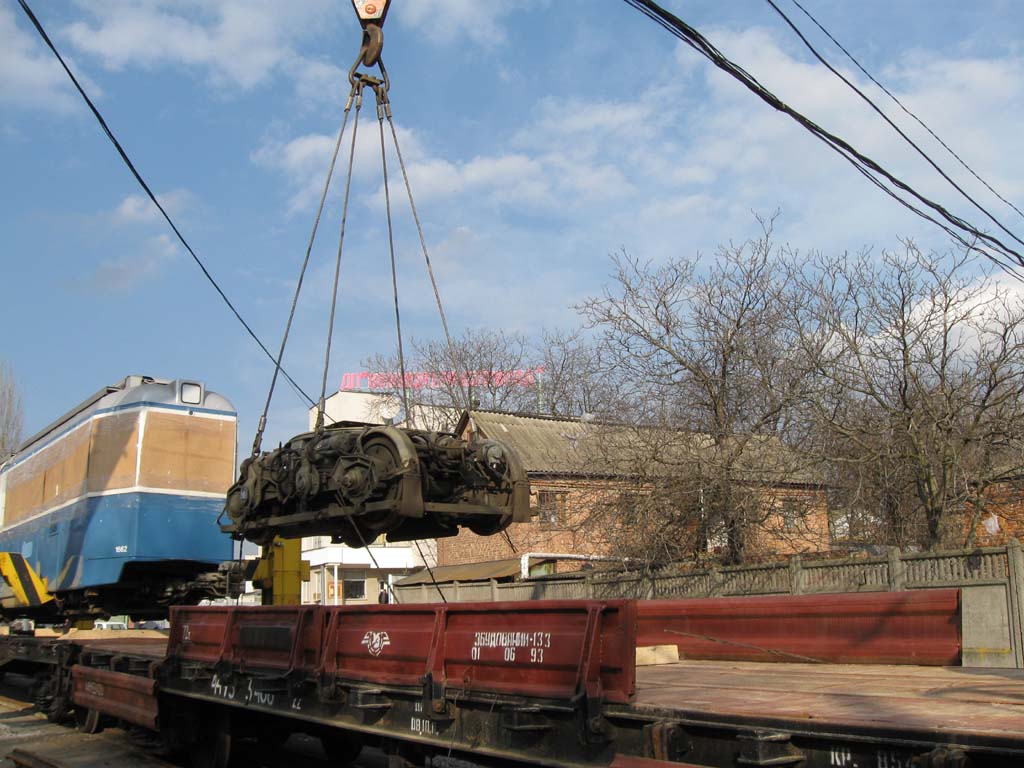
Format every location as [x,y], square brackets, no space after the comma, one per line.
[426,255]
[337,265]
[381,108]
[302,273]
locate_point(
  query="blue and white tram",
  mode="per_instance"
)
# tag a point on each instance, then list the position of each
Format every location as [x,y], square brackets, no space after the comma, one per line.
[115,504]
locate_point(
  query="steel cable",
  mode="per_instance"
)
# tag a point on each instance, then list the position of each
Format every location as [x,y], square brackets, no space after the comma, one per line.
[381,109]
[426,254]
[337,265]
[302,272]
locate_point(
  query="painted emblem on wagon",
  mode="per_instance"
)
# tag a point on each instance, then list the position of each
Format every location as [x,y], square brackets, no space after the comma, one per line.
[375,642]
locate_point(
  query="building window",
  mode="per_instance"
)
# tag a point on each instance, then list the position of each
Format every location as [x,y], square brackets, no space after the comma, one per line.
[354,586]
[551,505]
[792,512]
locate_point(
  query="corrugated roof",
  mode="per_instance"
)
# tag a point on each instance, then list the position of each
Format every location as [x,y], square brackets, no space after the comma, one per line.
[549,445]
[543,444]
[495,569]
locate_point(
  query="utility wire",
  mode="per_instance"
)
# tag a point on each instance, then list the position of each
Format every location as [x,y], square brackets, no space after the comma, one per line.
[149,192]
[959,229]
[892,125]
[902,106]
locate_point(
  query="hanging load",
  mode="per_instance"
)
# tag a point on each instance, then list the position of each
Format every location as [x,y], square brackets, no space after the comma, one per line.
[357,482]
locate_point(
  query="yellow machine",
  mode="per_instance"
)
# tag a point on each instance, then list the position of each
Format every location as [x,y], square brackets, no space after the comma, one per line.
[281,571]
[22,587]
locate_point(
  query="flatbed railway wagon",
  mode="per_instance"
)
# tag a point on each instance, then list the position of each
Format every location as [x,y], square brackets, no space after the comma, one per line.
[552,683]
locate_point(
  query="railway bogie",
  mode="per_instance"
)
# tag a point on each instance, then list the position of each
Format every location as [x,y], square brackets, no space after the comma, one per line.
[358,482]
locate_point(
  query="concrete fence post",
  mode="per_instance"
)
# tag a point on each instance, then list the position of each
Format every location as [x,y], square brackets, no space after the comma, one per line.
[456,598]
[1015,587]
[494,590]
[897,570]
[423,592]
[796,576]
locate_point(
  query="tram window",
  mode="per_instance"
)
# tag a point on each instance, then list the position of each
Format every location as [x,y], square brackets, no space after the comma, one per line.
[191,393]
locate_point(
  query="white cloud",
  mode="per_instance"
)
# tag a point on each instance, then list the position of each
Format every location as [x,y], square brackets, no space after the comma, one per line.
[454,21]
[680,166]
[139,208]
[30,75]
[123,273]
[235,43]
[304,161]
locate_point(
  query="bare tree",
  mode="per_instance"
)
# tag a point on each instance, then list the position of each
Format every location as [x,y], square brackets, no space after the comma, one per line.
[920,391]
[719,379]
[10,411]
[575,381]
[488,369]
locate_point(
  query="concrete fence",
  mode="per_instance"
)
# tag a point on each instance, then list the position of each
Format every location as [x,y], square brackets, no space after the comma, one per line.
[991,580]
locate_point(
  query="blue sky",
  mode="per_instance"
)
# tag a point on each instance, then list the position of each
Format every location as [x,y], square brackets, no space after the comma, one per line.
[541,137]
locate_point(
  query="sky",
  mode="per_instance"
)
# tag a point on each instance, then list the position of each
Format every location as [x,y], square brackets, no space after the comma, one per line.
[541,136]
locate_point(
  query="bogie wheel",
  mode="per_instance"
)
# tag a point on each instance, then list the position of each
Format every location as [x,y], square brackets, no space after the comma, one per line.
[212,748]
[341,749]
[88,720]
[384,456]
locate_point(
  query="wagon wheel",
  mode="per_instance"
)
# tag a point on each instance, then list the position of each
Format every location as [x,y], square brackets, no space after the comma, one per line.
[212,748]
[88,720]
[340,748]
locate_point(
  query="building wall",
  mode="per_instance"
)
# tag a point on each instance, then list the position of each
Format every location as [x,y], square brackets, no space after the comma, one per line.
[795,522]
[331,565]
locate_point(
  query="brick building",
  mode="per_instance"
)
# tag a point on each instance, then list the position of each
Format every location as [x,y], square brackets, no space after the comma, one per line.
[568,480]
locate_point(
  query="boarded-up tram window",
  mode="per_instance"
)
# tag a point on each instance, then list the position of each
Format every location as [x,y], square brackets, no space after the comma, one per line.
[112,458]
[190,453]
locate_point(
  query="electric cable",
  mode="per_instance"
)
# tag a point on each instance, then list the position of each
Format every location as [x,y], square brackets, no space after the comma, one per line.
[868,167]
[892,125]
[902,106]
[149,192]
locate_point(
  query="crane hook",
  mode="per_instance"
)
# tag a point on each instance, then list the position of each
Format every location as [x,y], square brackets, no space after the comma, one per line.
[373,43]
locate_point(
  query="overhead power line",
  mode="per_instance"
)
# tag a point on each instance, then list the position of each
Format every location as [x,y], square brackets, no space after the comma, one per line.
[891,124]
[956,227]
[902,106]
[149,192]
